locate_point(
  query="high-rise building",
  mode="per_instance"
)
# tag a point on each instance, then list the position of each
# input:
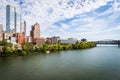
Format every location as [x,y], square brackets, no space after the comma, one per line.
[35,32]
[23,27]
[1,32]
[11,19]
[18,22]
[1,28]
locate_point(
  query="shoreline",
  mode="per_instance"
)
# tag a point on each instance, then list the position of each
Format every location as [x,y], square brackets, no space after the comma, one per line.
[30,49]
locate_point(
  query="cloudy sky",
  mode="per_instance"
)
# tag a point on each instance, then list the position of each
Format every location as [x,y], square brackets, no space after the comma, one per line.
[91,19]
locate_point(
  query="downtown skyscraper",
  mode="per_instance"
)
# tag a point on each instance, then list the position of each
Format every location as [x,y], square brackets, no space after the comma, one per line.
[11,19]
[1,32]
[35,32]
[1,28]
[23,27]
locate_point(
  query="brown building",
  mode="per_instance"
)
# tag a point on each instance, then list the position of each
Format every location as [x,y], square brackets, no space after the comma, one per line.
[35,32]
[6,36]
[28,39]
[1,36]
[53,40]
[19,38]
[49,41]
[39,41]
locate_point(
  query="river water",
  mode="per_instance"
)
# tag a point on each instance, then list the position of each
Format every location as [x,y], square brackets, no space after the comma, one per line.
[100,63]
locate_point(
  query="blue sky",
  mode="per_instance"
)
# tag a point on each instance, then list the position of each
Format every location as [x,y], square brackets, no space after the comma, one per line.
[91,19]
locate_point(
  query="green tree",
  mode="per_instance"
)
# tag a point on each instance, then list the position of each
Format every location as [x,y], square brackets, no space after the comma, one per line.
[28,47]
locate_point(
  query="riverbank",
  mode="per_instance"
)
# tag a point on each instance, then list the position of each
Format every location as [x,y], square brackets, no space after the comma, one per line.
[30,49]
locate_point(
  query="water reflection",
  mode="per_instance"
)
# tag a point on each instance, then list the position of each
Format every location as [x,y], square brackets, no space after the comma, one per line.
[100,63]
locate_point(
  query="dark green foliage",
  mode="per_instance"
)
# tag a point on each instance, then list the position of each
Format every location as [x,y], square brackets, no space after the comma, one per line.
[58,47]
[29,48]
[3,43]
[6,51]
[21,52]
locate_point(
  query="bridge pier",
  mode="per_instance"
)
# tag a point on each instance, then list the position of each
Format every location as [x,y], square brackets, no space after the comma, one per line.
[119,44]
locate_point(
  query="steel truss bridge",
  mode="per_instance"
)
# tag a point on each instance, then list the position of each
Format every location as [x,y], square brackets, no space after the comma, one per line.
[112,42]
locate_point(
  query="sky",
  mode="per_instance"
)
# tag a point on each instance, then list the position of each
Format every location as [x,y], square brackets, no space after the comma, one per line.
[90,19]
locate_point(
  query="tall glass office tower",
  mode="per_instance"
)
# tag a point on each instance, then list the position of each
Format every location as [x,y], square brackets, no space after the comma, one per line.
[23,27]
[11,17]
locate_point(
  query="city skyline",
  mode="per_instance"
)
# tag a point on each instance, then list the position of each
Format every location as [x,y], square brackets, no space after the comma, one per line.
[94,20]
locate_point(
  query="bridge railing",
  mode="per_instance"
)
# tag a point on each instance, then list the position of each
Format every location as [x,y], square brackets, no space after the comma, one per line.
[117,42]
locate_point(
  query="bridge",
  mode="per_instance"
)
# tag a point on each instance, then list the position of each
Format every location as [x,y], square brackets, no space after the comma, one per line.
[112,42]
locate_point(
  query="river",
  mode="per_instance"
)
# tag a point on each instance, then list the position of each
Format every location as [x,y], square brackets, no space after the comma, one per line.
[100,63]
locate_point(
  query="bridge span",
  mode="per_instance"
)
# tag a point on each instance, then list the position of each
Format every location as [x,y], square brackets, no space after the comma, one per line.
[112,42]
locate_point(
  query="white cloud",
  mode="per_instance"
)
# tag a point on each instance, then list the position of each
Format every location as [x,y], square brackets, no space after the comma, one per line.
[37,11]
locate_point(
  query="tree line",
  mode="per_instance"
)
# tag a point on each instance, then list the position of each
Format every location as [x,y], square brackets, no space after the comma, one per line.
[29,49]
